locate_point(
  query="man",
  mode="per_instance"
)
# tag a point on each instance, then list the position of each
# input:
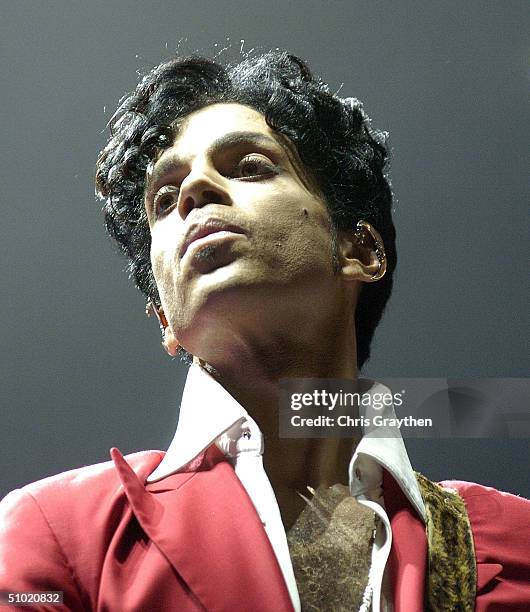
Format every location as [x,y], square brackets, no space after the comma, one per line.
[253,206]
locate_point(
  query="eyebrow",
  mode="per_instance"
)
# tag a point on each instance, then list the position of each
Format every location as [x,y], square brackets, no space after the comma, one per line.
[224,142]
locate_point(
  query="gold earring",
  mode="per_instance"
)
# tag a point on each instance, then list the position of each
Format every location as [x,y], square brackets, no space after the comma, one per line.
[362,228]
[151,309]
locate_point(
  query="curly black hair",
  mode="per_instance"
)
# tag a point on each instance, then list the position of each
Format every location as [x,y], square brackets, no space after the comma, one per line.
[332,135]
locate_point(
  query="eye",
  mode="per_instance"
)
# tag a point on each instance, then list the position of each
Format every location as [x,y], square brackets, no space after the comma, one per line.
[165,198]
[253,166]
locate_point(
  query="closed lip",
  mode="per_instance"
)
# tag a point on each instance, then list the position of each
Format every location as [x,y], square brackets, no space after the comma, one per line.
[205,228]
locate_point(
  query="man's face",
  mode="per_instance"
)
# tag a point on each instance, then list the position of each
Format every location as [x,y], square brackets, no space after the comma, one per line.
[240,240]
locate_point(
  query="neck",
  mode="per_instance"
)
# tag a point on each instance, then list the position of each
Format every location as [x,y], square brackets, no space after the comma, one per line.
[253,380]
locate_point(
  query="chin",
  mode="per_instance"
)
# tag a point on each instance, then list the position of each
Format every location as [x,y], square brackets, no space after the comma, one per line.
[226,305]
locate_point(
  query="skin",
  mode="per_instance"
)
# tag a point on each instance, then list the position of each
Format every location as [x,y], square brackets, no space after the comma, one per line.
[264,304]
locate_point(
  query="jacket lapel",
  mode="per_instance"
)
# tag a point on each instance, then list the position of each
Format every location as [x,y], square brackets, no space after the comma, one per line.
[206,526]
[408,555]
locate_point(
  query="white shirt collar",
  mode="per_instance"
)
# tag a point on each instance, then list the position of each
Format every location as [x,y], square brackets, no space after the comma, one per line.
[207,411]
[383,447]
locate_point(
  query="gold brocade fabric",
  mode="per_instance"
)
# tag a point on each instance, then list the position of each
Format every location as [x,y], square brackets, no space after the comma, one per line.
[452,573]
[330,545]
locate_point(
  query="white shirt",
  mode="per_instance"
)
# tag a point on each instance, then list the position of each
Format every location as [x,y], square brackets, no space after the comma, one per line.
[208,414]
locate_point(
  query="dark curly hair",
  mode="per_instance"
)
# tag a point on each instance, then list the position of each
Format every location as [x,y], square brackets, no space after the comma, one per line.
[332,135]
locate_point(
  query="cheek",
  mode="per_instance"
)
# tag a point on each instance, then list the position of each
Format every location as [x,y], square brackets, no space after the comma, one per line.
[307,229]
[299,245]
[162,262]
[157,266]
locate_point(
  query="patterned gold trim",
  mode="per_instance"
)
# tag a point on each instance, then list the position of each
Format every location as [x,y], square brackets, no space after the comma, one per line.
[452,573]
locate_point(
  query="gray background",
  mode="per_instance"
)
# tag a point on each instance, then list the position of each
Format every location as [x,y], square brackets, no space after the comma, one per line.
[82,368]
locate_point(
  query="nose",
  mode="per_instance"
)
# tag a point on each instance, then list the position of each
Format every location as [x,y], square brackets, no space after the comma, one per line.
[200,188]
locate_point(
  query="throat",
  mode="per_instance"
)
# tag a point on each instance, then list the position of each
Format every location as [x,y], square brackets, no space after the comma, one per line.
[293,465]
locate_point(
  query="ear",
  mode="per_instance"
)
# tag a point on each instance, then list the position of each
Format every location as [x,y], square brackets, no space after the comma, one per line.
[361,254]
[169,340]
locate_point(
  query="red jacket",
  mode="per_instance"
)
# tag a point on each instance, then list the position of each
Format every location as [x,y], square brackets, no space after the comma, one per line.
[193,541]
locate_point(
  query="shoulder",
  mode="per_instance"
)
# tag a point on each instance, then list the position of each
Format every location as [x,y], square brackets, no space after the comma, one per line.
[500,523]
[491,510]
[67,500]
[56,531]
[100,479]
[481,499]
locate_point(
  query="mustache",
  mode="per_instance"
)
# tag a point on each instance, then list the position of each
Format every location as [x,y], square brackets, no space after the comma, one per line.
[204,226]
